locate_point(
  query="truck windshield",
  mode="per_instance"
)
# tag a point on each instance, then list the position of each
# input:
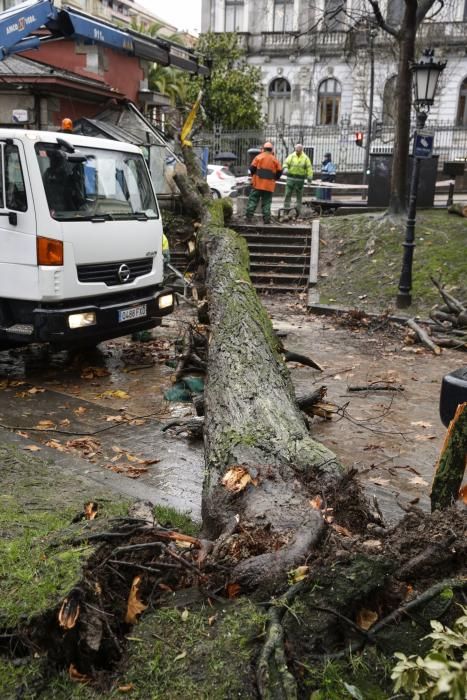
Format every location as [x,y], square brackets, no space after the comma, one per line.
[107,184]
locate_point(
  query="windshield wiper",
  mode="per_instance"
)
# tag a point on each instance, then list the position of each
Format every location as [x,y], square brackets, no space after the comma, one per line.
[97,218]
[140,215]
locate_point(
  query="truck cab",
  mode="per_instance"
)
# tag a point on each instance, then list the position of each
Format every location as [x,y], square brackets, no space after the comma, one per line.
[80,240]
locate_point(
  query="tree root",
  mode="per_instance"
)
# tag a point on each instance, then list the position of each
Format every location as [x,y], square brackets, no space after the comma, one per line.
[272,674]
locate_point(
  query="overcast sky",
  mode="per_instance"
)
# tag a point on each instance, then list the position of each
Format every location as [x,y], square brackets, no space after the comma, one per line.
[183,14]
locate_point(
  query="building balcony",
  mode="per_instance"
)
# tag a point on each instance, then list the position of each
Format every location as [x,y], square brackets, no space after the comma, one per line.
[289,43]
[443,33]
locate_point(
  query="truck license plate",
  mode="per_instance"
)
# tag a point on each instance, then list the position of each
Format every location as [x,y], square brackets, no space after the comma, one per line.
[134,312]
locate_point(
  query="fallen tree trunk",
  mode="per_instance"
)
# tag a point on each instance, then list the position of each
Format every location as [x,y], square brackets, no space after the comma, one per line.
[252,419]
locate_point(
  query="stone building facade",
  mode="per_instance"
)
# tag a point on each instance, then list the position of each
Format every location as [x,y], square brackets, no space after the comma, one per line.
[316,68]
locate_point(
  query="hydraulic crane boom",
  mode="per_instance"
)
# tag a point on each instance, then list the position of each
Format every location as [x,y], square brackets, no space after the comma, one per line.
[19,22]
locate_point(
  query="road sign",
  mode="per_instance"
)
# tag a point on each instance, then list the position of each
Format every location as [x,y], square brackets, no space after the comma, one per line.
[423,145]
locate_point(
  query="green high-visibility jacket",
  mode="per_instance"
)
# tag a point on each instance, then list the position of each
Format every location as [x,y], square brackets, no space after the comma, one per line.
[298,166]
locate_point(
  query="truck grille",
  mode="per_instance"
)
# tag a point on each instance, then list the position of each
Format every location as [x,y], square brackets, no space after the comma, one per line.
[109,272]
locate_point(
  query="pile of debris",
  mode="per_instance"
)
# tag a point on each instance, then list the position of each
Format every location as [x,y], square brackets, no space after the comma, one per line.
[449,327]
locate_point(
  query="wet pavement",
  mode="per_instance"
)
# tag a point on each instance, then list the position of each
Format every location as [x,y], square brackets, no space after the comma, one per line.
[100,415]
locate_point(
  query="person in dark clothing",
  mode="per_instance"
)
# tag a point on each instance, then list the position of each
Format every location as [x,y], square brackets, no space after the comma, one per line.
[265,170]
[64,186]
[328,174]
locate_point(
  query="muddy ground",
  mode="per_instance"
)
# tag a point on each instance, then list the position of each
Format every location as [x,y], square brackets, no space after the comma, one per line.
[103,412]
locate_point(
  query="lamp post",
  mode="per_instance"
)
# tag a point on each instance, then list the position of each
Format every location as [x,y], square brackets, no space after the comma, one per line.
[425,79]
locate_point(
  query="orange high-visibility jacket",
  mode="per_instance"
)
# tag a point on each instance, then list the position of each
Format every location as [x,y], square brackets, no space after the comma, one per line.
[265,169]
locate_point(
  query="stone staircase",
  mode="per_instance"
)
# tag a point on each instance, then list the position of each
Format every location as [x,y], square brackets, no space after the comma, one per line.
[279,256]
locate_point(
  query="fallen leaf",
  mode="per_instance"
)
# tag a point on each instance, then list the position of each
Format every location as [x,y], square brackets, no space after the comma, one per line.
[22,433]
[90,510]
[298,574]
[86,447]
[56,445]
[35,390]
[113,394]
[126,688]
[76,676]
[185,614]
[80,410]
[134,607]
[425,437]
[93,372]
[366,618]
[32,448]
[180,656]
[316,502]
[421,423]
[341,530]
[212,619]
[463,494]
[68,613]
[65,422]
[233,589]
[237,478]
[45,424]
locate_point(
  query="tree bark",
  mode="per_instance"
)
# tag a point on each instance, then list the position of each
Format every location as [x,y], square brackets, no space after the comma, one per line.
[451,464]
[252,420]
[399,175]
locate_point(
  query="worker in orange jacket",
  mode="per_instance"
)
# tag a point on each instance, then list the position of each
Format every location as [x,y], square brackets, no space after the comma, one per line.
[265,170]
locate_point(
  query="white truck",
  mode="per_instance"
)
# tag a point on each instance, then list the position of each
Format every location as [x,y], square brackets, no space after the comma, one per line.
[80,240]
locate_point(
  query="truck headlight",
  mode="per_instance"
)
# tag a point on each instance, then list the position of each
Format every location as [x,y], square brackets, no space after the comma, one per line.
[82,320]
[165,301]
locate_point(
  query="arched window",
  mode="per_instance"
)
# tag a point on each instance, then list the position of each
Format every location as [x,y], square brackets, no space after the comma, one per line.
[389,100]
[329,101]
[462,106]
[279,101]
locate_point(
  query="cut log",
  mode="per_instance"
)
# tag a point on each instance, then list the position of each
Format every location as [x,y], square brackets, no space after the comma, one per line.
[423,335]
[459,209]
[253,420]
[452,462]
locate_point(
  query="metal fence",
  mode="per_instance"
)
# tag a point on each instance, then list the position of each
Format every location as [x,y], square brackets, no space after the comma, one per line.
[450,143]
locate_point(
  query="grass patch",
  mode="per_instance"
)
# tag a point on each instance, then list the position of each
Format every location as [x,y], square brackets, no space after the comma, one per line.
[174,519]
[200,654]
[366,676]
[362,257]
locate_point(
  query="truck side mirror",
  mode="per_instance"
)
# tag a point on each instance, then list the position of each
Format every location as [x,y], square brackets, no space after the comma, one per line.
[12,217]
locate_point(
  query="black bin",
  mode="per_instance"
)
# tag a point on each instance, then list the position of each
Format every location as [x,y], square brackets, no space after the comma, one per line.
[453,392]
[379,182]
[454,168]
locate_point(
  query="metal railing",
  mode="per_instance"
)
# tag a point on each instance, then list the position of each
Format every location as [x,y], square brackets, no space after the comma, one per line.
[450,143]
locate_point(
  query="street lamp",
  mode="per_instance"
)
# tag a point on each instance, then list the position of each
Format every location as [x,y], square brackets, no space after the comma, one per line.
[425,80]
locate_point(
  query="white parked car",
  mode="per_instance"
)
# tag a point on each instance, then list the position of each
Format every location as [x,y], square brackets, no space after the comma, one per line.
[221,181]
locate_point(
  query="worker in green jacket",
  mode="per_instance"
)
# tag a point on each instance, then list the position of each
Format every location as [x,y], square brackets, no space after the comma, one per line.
[298,168]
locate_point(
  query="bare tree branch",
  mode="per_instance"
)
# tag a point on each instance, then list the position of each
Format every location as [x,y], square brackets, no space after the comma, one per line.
[381,21]
[424,6]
